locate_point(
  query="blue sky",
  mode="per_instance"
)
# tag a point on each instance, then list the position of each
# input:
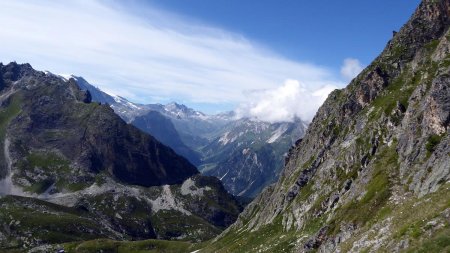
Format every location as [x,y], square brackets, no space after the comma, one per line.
[269,59]
[323,32]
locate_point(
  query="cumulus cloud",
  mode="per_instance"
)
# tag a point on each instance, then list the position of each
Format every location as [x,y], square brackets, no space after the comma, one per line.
[351,68]
[285,103]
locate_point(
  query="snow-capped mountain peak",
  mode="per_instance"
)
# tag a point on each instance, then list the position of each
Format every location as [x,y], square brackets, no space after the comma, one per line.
[182,111]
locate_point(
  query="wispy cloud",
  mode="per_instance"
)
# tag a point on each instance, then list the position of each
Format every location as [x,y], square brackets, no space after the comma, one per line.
[351,68]
[155,57]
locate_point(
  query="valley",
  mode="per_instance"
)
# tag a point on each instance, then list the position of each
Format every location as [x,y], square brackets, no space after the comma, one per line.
[245,154]
[83,170]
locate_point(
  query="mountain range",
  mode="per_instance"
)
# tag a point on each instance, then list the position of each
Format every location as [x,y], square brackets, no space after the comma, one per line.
[245,154]
[370,173]
[249,155]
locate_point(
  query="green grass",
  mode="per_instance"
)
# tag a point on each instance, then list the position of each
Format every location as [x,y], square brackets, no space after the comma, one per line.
[168,223]
[73,187]
[432,142]
[409,221]
[413,230]
[47,222]
[397,51]
[399,90]
[432,45]
[47,161]
[39,186]
[146,246]
[54,169]
[439,242]
[8,113]
[305,192]
[269,238]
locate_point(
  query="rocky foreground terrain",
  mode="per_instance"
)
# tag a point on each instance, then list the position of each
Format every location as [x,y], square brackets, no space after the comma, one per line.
[372,172]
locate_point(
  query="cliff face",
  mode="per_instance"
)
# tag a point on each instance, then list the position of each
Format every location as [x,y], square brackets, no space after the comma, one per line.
[372,172]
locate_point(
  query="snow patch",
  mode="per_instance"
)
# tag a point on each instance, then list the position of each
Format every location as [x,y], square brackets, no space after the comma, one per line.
[277,133]
[65,77]
[246,189]
[224,176]
[225,139]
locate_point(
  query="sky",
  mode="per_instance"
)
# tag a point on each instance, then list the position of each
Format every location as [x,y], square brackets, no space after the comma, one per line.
[271,60]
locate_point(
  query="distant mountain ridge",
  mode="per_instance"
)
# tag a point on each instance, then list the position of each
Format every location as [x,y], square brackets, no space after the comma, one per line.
[249,154]
[245,154]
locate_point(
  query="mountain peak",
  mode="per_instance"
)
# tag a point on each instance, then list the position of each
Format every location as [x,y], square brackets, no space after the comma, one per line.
[182,111]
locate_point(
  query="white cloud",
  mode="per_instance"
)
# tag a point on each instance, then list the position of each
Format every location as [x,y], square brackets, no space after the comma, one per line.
[284,103]
[351,68]
[147,57]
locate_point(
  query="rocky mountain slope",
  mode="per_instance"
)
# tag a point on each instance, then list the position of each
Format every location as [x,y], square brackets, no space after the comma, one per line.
[372,172]
[249,155]
[83,173]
